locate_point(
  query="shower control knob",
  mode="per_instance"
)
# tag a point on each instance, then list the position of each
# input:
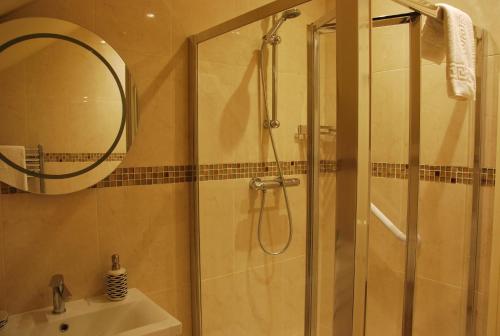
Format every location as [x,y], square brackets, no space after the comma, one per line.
[272,39]
[274,123]
[275,40]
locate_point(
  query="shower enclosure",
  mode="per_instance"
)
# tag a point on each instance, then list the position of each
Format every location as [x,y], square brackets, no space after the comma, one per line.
[250,232]
[324,205]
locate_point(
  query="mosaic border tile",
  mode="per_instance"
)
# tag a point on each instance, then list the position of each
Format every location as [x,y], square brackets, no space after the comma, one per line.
[224,171]
[186,173]
[81,157]
[148,175]
[443,174]
[327,166]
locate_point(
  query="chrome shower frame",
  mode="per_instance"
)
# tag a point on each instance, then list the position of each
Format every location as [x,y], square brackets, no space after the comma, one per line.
[349,9]
[353,166]
[349,316]
[352,147]
[194,41]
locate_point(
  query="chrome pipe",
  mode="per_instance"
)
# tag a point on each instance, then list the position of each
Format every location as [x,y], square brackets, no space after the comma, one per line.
[274,123]
[274,39]
[257,183]
[475,242]
[423,7]
[413,175]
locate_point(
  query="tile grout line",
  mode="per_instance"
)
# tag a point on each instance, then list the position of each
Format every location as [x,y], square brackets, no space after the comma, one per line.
[255,268]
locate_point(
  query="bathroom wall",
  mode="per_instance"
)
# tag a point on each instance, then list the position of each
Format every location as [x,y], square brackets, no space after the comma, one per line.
[146,220]
[447,129]
[149,224]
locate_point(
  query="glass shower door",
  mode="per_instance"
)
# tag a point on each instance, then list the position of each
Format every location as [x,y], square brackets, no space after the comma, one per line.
[427,286]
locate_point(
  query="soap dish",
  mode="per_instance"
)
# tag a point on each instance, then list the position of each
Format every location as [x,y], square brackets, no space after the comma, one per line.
[4,318]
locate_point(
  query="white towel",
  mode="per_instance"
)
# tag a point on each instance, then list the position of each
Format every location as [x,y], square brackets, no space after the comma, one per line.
[457,36]
[433,41]
[9,175]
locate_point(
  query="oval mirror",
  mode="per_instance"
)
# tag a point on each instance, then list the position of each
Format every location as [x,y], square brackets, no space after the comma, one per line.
[68,107]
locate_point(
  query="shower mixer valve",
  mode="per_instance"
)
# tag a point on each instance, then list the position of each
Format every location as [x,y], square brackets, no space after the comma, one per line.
[272,123]
[273,39]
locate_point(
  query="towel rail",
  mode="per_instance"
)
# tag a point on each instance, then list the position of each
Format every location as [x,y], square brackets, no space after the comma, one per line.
[388,223]
[35,161]
[423,7]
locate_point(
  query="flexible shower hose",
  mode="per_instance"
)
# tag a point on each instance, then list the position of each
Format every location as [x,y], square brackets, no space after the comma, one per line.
[280,171]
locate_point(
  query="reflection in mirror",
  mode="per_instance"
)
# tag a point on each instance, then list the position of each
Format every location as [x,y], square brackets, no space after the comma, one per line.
[68,106]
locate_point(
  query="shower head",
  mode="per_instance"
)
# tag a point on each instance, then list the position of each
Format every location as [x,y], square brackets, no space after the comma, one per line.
[271,36]
[291,13]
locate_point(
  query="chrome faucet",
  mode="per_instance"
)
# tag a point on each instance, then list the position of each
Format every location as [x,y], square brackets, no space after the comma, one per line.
[60,293]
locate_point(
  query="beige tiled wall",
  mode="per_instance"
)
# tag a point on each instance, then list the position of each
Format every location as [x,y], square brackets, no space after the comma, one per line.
[76,234]
[244,291]
[148,225]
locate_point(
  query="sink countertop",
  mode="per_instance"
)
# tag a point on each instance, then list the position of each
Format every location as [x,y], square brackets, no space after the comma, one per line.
[136,315]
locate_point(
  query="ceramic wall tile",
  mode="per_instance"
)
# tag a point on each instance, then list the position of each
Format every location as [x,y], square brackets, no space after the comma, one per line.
[137,223]
[385,291]
[446,124]
[489,128]
[50,236]
[390,48]
[439,309]
[182,218]
[293,282]
[442,210]
[217,237]
[485,238]
[155,143]
[229,122]
[389,125]
[138,26]
[264,297]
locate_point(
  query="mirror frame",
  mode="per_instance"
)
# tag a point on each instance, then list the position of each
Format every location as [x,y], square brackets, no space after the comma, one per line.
[103,158]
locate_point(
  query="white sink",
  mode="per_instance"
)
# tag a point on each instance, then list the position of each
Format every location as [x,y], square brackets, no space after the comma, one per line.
[137,315]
